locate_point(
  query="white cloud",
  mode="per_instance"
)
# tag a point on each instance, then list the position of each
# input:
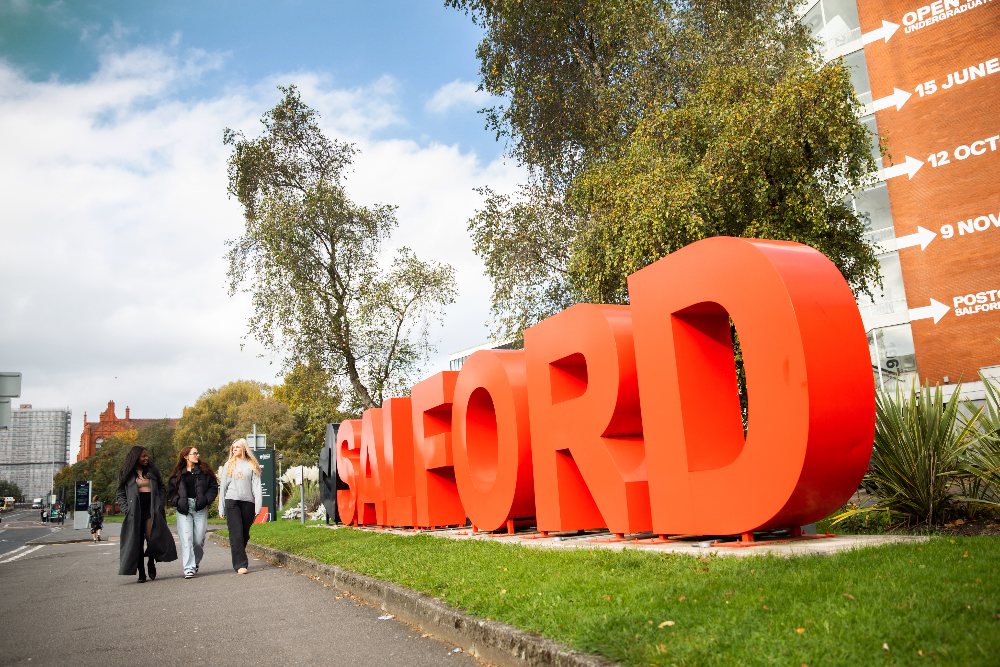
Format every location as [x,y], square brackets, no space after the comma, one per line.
[115,216]
[457,95]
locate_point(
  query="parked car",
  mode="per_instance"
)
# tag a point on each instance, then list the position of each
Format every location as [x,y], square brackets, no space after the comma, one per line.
[36,504]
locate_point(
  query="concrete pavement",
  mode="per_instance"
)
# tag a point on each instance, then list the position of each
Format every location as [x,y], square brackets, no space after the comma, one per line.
[66,603]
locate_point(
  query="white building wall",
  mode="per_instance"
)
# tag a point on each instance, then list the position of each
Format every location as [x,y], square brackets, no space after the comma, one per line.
[34,449]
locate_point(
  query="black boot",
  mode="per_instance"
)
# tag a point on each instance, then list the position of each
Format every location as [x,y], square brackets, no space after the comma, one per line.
[152,568]
[142,574]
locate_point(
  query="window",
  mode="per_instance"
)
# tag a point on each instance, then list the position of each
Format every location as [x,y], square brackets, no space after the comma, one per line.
[857,66]
[892,354]
[833,22]
[869,122]
[874,204]
[892,299]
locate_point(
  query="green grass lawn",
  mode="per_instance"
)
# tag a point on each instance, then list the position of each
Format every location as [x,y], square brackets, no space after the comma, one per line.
[936,602]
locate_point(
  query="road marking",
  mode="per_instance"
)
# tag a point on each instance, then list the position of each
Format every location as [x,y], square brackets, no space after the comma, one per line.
[13,551]
[21,555]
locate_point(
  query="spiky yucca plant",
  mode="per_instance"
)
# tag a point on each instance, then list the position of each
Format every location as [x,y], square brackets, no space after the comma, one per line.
[982,458]
[919,446]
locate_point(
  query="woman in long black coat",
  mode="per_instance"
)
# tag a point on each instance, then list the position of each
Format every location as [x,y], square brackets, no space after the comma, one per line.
[140,494]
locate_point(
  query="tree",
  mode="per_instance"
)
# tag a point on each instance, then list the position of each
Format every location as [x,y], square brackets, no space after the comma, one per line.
[209,424]
[314,401]
[744,157]
[650,124]
[270,416]
[309,257]
[522,241]
[10,490]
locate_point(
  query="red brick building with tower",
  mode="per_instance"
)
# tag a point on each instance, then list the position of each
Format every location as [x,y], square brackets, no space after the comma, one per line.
[94,433]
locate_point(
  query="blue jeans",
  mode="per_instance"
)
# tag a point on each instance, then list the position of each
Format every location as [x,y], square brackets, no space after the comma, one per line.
[191,529]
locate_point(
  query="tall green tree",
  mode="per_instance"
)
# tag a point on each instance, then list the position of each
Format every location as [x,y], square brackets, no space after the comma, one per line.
[103,468]
[309,257]
[650,124]
[271,417]
[314,401]
[210,423]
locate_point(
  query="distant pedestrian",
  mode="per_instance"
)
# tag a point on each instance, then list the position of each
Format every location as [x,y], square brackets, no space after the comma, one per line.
[239,500]
[96,512]
[192,487]
[140,494]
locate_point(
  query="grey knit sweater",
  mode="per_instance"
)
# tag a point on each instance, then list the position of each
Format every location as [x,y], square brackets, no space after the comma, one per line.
[244,484]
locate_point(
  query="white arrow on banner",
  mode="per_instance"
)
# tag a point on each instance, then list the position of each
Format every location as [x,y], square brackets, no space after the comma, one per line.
[937,310]
[909,167]
[897,99]
[921,237]
[887,30]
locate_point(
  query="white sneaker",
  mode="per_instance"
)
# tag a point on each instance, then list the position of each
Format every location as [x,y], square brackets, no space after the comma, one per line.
[242,570]
[189,574]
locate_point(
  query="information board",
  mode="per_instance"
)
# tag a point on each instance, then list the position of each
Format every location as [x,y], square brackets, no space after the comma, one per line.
[268,479]
[82,501]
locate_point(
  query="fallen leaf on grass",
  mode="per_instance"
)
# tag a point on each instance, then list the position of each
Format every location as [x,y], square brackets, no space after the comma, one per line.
[848,596]
[666,624]
[800,631]
[885,647]
[682,598]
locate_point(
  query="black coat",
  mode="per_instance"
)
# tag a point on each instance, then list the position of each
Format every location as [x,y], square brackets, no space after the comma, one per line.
[160,542]
[206,489]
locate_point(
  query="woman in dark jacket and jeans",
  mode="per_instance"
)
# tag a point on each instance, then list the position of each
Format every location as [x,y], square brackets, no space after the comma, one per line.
[140,494]
[192,487]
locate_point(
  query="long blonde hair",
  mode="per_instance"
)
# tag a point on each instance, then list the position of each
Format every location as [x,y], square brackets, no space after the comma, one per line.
[244,454]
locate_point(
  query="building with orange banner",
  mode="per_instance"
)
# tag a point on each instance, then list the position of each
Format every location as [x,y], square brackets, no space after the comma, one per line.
[929,75]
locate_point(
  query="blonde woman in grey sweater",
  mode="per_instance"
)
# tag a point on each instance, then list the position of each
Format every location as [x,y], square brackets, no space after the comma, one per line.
[239,499]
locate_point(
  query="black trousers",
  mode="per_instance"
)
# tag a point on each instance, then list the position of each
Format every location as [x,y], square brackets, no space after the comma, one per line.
[239,518]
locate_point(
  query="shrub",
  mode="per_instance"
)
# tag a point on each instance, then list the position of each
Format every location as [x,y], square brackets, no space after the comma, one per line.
[312,496]
[982,458]
[919,455]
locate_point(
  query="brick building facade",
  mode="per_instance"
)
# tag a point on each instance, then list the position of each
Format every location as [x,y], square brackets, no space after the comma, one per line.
[107,425]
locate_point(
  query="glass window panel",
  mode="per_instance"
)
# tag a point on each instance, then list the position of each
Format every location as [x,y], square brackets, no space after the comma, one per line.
[813,20]
[875,203]
[858,68]
[892,298]
[873,129]
[893,360]
[844,10]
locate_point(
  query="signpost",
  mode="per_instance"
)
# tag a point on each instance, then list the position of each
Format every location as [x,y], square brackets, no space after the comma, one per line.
[268,482]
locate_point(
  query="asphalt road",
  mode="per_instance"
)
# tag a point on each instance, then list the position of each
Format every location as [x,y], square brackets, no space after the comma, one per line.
[66,603]
[17,529]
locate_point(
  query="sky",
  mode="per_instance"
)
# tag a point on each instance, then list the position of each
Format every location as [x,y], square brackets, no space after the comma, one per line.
[114,215]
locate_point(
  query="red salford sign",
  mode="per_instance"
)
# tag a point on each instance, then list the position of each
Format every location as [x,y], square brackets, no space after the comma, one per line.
[628,417]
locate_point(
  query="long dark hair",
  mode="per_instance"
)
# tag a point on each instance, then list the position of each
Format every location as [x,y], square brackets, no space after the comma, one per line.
[132,462]
[175,477]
